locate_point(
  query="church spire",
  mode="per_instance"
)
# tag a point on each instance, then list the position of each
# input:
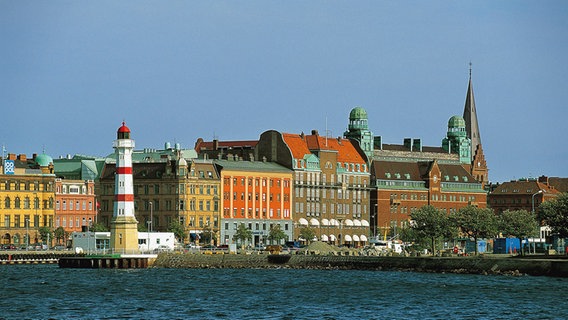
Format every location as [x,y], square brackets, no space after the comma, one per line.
[470,117]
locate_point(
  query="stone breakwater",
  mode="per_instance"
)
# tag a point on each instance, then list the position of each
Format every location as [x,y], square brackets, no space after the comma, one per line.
[471,265]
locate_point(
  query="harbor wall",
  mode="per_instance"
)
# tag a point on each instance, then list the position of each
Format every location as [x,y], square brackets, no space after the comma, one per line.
[472,265]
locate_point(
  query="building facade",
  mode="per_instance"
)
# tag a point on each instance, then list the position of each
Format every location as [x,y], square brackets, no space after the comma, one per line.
[257,194]
[202,215]
[331,184]
[75,204]
[27,198]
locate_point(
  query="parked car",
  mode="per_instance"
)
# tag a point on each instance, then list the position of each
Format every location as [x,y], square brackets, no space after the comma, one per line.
[162,248]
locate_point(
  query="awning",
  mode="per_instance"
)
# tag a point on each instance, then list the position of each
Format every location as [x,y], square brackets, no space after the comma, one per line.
[314,222]
[334,222]
[324,222]
[324,237]
[303,222]
[349,222]
[364,223]
[363,238]
[348,238]
[355,238]
[332,237]
[356,223]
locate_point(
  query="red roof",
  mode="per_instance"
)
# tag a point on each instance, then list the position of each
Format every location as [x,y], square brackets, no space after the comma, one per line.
[123,128]
[301,145]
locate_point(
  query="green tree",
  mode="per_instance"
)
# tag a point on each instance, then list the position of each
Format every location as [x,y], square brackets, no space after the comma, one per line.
[307,233]
[476,223]
[431,223]
[243,234]
[178,230]
[60,234]
[554,213]
[276,234]
[518,223]
[45,234]
[208,235]
[98,227]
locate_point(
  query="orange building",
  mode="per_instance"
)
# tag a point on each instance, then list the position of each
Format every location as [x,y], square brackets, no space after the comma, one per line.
[256,194]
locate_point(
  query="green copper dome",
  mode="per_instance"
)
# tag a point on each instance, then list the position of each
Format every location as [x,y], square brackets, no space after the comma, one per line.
[358,113]
[43,160]
[456,122]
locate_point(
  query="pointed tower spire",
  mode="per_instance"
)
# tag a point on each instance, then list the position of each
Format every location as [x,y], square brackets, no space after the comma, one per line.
[470,117]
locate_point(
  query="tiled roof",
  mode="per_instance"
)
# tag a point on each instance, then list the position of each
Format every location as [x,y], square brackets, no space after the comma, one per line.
[297,145]
[418,171]
[523,187]
[346,152]
[561,184]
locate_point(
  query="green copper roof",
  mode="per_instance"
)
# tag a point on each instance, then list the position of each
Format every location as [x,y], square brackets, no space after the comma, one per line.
[43,160]
[456,122]
[358,113]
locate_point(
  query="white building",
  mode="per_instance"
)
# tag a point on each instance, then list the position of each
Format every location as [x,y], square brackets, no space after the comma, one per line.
[99,242]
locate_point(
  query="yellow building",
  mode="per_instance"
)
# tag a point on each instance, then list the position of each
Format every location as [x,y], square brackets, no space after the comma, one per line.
[27,193]
[202,215]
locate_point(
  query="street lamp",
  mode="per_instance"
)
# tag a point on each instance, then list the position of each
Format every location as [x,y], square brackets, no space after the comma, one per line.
[151,215]
[376,221]
[538,192]
[27,233]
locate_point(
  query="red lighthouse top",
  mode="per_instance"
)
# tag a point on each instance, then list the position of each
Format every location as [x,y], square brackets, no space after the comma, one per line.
[123,132]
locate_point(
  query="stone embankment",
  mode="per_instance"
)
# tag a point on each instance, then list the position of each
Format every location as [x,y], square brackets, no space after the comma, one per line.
[326,258]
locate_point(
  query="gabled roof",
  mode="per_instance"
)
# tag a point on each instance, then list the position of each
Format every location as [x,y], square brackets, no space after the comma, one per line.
[297,144]
[523,187]
[346,151]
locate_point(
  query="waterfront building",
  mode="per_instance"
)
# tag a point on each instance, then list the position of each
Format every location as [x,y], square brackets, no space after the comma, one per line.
[331,184]
[408,176]
[202,192]
[522,194]
[124,226]
[27,197]
[243,149]
[256,194]
[75,204]
[160,183]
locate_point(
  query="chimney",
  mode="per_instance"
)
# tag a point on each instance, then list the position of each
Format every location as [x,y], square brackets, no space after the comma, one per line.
[417,145]
[22,157]
[408,143]
[314,132]
[215,144]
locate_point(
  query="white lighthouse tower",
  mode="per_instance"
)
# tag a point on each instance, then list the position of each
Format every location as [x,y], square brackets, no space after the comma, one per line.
[124,226]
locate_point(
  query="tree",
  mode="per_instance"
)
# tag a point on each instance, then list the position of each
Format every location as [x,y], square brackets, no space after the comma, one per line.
[98,227]
[476,223]
[554,213]
[307,233]
[431,223]
[276,234]
[518,223]
[178,230]
[60,234]
[243,234]
[45,234]
[208,234]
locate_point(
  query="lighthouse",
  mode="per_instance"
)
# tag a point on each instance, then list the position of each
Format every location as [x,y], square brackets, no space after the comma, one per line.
[124,226]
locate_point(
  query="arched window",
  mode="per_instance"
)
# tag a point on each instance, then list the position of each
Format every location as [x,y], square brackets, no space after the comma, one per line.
[17,203]
[7,203]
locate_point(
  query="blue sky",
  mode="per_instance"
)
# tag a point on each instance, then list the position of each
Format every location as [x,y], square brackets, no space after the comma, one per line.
[175,71]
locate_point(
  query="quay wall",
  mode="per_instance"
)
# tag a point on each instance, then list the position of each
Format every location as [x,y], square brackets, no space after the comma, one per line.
[472,265]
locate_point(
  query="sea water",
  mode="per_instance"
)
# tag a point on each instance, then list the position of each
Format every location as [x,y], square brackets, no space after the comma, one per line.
[48,292]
